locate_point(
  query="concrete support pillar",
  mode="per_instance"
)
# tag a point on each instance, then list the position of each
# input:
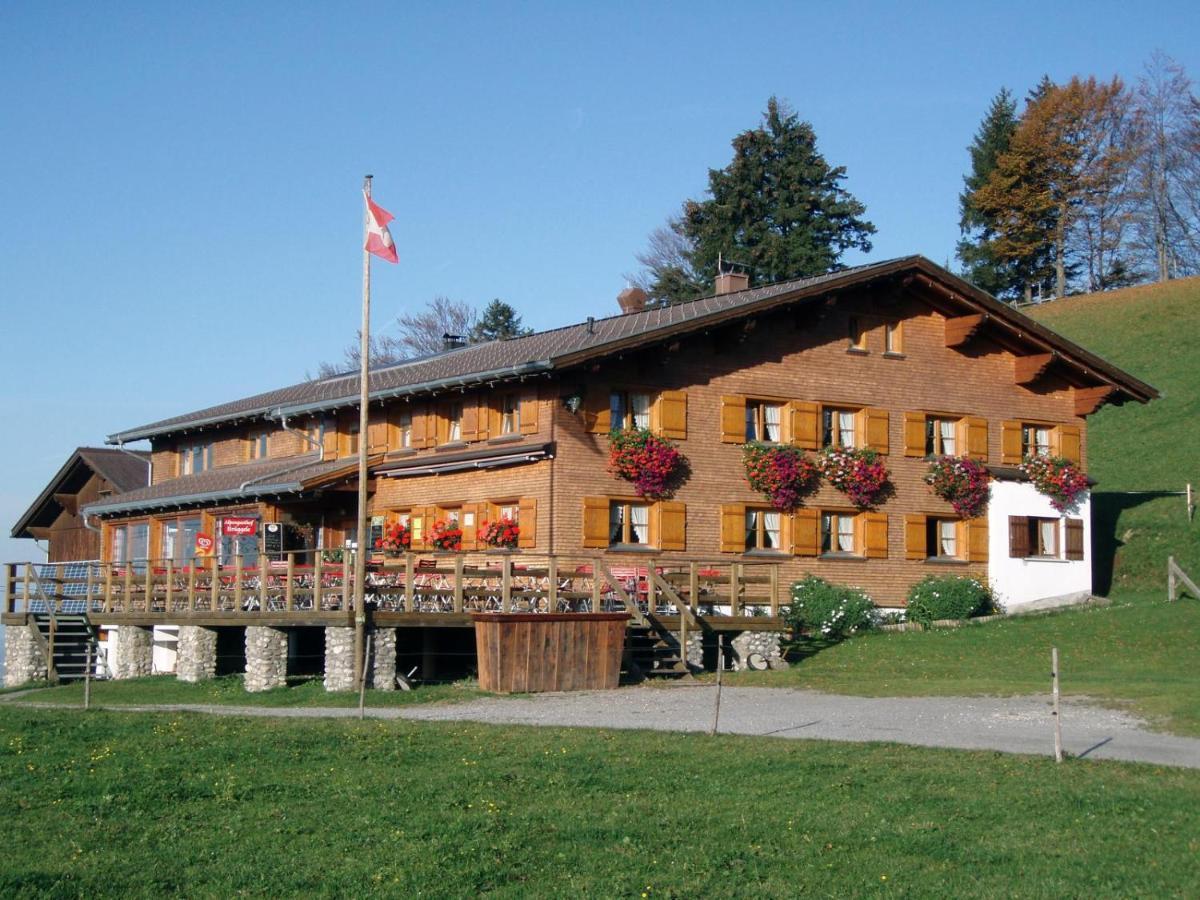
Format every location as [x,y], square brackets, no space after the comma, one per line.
[339,658]
[383,659]
[196,653]
[24,658]
[135,651]
[266,658]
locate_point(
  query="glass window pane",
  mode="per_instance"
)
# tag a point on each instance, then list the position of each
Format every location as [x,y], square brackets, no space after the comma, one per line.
[616,523]
[616,410]
[185,544]
[772,415]
[751,422]
[1043,441]
[751,529]
[845,534]
[639,524]
[640,406]
[119,545]
[946,429]
[771,522]
[826,534]
[948,538]
[1048,531]
[170,532]
[846,429]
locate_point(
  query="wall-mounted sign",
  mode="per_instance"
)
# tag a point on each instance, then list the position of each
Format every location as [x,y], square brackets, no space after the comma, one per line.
[204,544]
[239,526]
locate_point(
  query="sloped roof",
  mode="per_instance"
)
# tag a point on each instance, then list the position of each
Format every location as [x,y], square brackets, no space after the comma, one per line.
[244,481]
[558,348]
[125,470]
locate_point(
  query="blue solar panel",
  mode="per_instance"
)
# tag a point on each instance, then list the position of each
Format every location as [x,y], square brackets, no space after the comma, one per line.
[67,580]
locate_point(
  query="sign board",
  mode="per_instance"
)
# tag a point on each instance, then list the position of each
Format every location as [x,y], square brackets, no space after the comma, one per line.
[204,545]
[239,526]
[273,539]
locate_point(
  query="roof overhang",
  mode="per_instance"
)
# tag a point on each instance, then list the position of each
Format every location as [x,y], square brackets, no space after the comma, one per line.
[491,458]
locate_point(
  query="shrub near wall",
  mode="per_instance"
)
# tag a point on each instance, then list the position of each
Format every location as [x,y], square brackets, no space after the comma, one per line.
[829,611]
[932,599]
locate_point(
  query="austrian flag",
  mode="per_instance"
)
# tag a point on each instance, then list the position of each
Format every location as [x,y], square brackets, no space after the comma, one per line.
[379,239]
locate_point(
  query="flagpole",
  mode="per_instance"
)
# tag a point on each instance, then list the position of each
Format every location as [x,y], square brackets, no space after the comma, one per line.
[363,535]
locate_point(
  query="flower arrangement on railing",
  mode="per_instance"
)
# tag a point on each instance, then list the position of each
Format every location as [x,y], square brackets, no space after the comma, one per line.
[781,472]
[397,538]
[445,535]
[502,534]
[858,473]
[1057,478]
[963,482]
[653,464]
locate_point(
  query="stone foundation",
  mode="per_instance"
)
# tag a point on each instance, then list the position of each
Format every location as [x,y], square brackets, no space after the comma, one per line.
[266,658]
[339,658]
[383,659]
[135,652]
[196,653]
[764,643]
[694,655]
[24,659]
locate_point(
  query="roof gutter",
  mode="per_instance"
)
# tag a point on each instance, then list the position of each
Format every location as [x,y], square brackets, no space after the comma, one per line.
[102,509]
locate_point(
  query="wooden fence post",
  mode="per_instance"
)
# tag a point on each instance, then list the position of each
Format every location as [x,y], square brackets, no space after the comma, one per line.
[1058,749]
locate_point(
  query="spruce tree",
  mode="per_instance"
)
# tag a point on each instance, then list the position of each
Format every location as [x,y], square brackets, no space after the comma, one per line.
[499,322]
[976,249]
[778,207]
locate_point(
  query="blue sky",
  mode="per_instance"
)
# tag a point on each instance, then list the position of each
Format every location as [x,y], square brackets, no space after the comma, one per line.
[182,222]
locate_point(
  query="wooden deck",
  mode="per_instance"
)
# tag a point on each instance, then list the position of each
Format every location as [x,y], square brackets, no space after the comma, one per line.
[417,590]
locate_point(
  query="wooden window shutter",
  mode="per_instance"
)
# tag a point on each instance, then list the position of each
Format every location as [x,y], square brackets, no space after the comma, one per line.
[377,433]
[1010,443]
[672,524]
[914,536]
[875,428]
[329,439]
[527,521]
[875,535]
[597,417]
[787,539]
[977,540]
[469,428]
[806,532]
[420,428]
[483,416]
[975,437]
[1018,536]
[1069,445]
[470,537]
[494,414]
[672,414]
[805,424]
[914,434]
[1075,539]
[733,420]
[595,521]
[529,411]
[733,528]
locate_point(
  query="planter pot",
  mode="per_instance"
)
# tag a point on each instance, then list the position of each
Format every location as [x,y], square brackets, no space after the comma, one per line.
[530,652]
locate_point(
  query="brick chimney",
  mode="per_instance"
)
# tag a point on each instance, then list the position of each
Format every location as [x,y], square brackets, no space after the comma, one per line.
[632,300]
[730,282]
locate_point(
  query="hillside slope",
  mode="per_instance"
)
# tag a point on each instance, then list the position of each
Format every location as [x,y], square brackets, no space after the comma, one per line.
[1153,331]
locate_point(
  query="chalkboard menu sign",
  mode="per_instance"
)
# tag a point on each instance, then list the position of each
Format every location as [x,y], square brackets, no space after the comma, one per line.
[376,533]
[273,540]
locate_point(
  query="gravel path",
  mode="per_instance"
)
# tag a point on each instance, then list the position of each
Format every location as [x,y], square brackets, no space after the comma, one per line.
[1010,725]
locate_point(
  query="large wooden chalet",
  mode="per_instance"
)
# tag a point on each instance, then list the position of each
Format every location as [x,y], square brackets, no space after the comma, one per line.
[900,356]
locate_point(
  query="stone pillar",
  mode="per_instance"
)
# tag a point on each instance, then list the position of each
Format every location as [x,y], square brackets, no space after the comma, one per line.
[383,659]
[693,653]
[196,653]
[266,658]
[24,658]
[765,643]
[339,658]
[135,651]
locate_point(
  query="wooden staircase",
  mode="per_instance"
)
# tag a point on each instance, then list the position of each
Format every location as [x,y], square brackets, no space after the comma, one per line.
[67,640]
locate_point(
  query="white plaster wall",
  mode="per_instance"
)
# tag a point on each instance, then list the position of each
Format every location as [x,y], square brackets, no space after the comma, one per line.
[166,640]
[1021,582]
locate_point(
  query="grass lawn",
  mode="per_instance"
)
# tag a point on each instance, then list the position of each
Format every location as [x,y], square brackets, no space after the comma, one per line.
[228,691]
[1141,649]
[157,804]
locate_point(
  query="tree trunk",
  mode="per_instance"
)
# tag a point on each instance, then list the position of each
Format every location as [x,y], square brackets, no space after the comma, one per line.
[1060,266]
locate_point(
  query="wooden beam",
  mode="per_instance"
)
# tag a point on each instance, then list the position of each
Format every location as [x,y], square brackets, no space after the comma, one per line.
[1088,400]
[1028,369]
[960,329]
[69,502]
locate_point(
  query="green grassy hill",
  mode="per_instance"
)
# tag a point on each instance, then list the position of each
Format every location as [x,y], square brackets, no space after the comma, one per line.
[1153,331]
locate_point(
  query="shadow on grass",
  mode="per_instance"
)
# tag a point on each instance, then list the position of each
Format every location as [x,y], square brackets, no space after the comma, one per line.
[1107,507]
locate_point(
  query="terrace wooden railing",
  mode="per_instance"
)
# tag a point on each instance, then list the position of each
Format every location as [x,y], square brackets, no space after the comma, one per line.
[415,584]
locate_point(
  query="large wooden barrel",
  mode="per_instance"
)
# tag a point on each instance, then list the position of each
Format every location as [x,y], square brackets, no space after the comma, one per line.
[529,652]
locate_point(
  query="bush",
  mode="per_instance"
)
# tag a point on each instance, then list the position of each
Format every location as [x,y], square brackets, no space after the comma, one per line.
[831,611]
[957,597]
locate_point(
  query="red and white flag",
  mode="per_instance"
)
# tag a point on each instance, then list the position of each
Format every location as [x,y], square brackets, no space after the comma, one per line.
[379,239]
